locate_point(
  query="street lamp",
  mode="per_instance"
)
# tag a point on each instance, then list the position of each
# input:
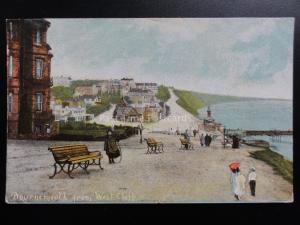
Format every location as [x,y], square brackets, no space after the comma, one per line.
[141,132]
[224,142]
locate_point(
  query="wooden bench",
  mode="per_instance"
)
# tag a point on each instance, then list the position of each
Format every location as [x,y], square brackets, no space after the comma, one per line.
[74,156]
[154,146]
[185,142]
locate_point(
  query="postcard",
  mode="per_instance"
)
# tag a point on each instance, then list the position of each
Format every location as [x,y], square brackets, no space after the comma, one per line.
[149,110]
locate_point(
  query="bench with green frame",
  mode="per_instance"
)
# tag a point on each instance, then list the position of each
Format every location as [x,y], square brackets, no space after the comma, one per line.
[185,142]
[153,146]
[74,156]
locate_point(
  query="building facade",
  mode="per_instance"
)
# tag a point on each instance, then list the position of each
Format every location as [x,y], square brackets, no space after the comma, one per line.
[86,91]
[126,85]
[148,86]
[71,114]
[28,78]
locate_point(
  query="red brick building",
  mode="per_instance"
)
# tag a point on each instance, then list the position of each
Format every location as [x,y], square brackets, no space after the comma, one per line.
[28,78]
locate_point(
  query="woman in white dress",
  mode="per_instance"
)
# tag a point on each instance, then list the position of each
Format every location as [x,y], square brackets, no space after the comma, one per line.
[238,183]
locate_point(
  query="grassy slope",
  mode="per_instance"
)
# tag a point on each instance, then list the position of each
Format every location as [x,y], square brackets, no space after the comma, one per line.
[278,162]
[188,101]
[210,99]
[192,101]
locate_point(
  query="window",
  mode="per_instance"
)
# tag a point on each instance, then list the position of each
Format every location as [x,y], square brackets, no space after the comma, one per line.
[38,37]
[10,66]
[10,102]
[39,102]
[11,30]
[39,68]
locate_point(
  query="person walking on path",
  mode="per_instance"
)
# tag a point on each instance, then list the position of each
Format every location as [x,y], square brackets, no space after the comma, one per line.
[209,140]
[186,135]
[206,140]
[237,183]
[233,182]
[194,132]
[252,181]
[240,184]
[110,147]
[202,140]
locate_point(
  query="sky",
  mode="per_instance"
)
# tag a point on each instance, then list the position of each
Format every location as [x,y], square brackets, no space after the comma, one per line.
[232,56]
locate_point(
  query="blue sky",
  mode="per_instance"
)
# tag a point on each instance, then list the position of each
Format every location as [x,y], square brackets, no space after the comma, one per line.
[233,56]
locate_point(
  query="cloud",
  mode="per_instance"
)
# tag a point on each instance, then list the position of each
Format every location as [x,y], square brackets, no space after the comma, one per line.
[234,56]
[262,27]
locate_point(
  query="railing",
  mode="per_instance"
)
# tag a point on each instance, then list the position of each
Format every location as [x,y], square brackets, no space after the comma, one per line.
[41,81]
[45,115]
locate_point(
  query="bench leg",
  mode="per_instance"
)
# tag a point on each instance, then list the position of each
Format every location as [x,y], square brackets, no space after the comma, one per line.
[70,170]
[85,166]
[55,171]
[100,164]
[148,151]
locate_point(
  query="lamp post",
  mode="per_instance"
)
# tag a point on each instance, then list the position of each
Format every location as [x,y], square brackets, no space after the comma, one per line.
[224,143]
[141,132]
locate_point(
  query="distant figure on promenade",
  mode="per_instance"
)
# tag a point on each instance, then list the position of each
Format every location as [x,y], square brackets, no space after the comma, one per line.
[206,140]
[202,140]
[209,140]
[252,180]
[110,147]
[235,142]
[194,132]
[186,135]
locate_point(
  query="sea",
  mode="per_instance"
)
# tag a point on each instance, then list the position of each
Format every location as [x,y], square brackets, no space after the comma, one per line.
[258,115]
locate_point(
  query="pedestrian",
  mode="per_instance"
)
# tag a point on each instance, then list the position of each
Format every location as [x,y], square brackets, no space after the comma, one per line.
[240,190]
[186,135]
[202,140]
[206,140]
[209,140]
[235,142]
[252,181]
[233,182]
[194,132]
[110,147]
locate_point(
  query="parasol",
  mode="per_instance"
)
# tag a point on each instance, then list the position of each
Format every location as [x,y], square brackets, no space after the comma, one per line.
[234,165]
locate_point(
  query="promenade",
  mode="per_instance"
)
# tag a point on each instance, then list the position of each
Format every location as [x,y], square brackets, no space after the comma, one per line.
[200,175]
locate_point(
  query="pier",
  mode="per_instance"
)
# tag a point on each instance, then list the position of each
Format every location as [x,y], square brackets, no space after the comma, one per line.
[275,135]
[268,132]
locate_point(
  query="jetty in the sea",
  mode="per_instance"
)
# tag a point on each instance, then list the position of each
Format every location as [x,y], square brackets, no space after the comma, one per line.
[268,132]
[274,134]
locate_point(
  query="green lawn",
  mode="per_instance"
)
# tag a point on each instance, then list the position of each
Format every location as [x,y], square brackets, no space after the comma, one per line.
[188,101]
[278,162]
[95,133]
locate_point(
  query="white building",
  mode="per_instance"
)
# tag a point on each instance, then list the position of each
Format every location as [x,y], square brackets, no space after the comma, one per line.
[86,90]
[89,100]
[126,85]
[148,86]
[67,114]
[62,81]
